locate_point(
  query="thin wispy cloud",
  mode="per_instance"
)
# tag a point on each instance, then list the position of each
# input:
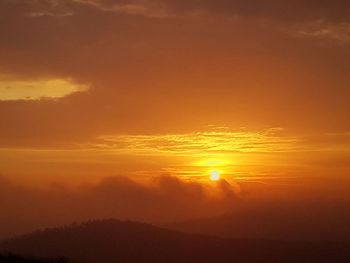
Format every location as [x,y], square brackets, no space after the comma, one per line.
[143,8]
[224,141]
[321,30]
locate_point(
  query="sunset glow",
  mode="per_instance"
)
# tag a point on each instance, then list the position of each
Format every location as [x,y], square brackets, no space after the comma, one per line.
[173,111]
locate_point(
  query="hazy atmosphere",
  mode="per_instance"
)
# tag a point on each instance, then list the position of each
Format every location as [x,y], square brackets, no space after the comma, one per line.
[219,117]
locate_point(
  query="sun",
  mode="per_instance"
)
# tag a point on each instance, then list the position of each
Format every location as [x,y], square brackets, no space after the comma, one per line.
[215,175]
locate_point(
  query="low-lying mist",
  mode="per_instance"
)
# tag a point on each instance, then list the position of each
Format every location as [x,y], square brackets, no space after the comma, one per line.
[236,210]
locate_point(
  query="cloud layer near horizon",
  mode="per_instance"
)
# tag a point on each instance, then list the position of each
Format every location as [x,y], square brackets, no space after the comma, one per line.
[166,200]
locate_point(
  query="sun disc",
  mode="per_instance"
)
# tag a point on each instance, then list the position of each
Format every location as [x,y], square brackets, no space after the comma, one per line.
[214,175]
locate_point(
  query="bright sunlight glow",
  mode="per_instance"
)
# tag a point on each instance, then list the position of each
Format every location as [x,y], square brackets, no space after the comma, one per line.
[215,175]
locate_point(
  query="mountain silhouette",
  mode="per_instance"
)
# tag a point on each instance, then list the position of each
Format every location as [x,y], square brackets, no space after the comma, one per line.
[122,242]
[277,223]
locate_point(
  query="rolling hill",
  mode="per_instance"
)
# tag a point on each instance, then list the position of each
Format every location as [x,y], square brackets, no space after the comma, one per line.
[121,242]
[327,222]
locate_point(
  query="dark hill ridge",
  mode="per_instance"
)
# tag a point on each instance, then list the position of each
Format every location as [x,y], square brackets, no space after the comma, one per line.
[117,241]
[312,223]
[11,258]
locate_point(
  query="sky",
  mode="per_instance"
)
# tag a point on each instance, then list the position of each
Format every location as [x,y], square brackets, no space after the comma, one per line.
[144,102]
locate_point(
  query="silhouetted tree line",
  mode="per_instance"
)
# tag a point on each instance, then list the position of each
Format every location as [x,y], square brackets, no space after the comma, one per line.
[14,258]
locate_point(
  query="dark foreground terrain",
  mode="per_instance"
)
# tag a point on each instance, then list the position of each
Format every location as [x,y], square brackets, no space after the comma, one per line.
[116,241]
[12,258]
[276,223]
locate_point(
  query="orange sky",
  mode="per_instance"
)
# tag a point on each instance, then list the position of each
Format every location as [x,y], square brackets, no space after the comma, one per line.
[92,89]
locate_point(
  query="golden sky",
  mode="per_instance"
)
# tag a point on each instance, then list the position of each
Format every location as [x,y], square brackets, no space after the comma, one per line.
[254,92]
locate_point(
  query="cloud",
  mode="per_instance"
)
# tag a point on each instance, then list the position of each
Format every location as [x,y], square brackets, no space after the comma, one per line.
[221,141]
[324,21]
[14,89]
[163,199]
[281,10]
[50,14]
[298,212]
[153,9]
[335,32]
[170,77]
[272,9]
[197,143]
